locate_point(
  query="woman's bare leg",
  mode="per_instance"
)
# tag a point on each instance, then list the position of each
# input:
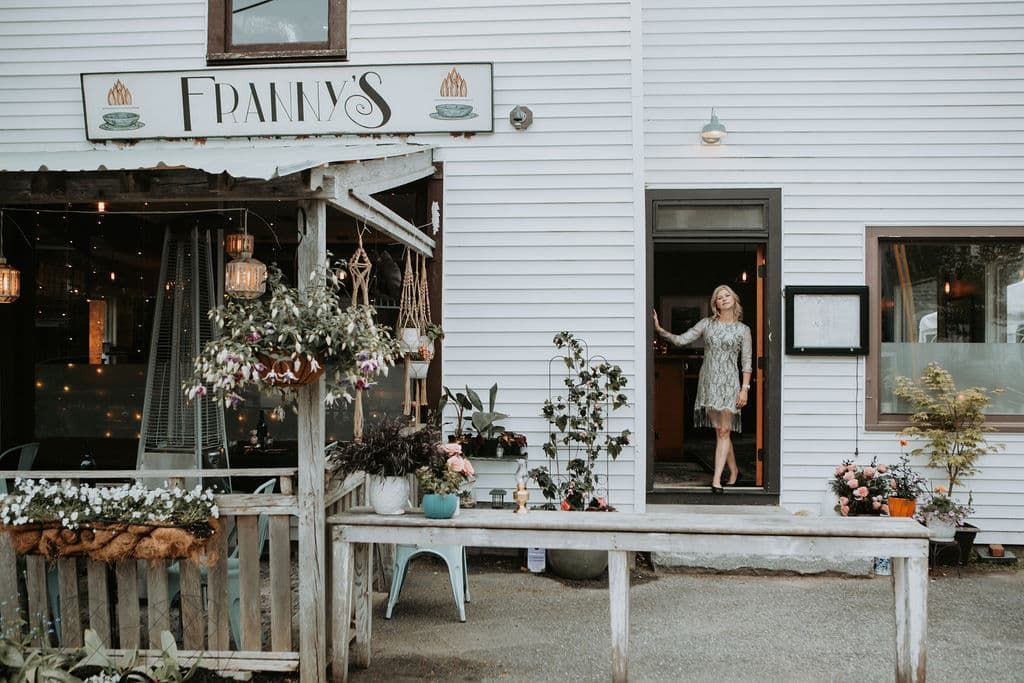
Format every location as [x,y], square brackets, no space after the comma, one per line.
[723,430]
[734,469]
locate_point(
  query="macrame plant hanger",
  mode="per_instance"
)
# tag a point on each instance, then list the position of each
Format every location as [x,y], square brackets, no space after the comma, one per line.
[423,311]
[359,267]
[408,318]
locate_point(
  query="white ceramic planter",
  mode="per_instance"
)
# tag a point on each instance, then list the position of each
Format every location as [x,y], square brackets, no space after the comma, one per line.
[941,530]
[389,495]
[410,340]
[418,369]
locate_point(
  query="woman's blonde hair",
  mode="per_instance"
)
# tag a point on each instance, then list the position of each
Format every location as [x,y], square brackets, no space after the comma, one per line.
[735,298]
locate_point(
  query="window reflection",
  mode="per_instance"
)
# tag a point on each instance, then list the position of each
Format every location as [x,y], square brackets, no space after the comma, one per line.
[256,22]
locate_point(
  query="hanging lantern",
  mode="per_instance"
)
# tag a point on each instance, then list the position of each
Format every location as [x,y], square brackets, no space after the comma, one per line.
[240,245]
[244,276]
[10,277]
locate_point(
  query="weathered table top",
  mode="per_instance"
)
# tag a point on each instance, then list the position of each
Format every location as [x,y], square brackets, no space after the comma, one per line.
[648,522]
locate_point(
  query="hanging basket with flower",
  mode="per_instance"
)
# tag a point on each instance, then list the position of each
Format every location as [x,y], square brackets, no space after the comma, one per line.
[290,339]
[109,523]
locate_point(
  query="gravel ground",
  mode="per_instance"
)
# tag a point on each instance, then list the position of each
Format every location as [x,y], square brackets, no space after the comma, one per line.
[692,626]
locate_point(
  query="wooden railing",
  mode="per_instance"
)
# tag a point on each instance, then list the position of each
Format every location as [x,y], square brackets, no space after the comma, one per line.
[129,603]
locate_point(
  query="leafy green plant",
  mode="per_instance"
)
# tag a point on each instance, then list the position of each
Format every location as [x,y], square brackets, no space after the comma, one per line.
[905,481]
[390,447]
[434,332]
[460,401]
[950,420]
[485,422]
[579,417]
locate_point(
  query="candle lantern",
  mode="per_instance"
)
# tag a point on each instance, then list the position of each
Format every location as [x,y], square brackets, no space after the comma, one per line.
[497,498]
[244,276]
[239,245]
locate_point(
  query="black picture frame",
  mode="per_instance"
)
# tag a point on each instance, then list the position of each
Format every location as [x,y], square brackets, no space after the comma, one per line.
[833,341]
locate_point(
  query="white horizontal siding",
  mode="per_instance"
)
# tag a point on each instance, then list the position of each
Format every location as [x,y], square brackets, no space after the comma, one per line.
[886,112]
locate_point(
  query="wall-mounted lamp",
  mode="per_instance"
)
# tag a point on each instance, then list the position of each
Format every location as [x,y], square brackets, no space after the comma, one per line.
[520,117]
[713,131]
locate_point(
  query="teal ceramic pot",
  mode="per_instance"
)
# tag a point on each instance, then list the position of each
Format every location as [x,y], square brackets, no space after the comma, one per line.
[440,506]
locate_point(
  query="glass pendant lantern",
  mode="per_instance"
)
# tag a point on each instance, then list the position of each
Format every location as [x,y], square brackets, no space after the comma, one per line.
[244,276]
[10,277]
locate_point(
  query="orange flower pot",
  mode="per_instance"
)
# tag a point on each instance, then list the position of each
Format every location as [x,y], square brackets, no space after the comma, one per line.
[902,507]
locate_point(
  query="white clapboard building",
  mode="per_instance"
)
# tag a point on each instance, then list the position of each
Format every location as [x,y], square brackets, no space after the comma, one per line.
[865,203]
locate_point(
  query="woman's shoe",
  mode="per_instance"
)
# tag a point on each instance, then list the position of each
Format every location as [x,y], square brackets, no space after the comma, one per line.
[717,489]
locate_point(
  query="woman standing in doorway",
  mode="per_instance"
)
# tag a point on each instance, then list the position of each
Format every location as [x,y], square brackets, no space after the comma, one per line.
[720,395]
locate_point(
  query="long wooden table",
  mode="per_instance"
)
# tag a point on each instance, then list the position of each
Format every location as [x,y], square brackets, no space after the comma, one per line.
[904,540]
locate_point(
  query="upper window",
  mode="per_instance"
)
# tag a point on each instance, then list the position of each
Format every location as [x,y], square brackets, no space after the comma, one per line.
[276,30]
[955,299]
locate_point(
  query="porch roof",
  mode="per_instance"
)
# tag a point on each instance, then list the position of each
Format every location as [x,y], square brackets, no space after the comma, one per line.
[258,161]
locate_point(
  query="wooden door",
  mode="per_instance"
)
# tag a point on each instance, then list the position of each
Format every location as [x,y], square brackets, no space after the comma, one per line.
[669,399]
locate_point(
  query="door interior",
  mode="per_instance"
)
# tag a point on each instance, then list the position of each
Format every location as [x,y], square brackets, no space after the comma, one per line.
[683,279]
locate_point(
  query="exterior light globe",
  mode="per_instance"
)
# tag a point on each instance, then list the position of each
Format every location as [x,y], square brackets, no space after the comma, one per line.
[245,278]
[713,131]
[10,282]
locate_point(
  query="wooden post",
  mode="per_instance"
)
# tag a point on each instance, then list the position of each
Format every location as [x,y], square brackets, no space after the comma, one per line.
[343,564]
[618,598]
[910,592]
[312,225]
[362,596]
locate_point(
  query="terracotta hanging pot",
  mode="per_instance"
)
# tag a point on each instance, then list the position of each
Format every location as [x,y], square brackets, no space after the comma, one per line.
[304,373]
[902,507]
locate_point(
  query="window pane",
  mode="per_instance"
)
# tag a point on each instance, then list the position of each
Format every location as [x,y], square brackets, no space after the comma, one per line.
[673,217]
[278,21]
[960,304]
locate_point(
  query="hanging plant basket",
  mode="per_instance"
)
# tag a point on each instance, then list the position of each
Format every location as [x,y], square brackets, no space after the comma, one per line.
[276,371]
[113,542]
[418,369]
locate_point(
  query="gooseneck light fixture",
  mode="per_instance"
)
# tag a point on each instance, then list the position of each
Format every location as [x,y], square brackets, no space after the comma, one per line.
[244,276]
[10,277]
[713,131]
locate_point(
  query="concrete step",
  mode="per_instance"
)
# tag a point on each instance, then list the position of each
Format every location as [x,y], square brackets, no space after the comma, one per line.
[725,563]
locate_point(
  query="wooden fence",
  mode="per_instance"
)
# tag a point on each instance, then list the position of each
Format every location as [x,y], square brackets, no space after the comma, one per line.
[129,603]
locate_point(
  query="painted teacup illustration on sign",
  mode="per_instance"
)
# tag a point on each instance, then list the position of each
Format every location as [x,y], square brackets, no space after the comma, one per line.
[454,92]
[121,98]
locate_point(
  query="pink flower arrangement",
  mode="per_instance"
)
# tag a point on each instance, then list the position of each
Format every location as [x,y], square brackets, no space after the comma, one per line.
[448,471]
[860,490]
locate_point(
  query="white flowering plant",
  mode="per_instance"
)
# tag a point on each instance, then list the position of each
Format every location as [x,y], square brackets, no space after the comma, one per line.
[269,343]
[38,502]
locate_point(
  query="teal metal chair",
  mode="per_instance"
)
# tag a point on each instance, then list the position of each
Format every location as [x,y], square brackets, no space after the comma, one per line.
[234,596]
[458,573]
[26,456]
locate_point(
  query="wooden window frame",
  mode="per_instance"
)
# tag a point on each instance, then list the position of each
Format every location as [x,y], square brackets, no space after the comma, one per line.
[219,49]
[874,420]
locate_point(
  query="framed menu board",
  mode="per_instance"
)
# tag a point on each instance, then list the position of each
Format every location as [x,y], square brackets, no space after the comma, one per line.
[827,321]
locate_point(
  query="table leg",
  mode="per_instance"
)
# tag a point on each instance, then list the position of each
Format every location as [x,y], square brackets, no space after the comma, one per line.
[618,595]
[910,593]
[343,569]
[363,597]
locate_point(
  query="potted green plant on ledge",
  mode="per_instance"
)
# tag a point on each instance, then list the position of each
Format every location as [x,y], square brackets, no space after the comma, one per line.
[951,422]
[389,450]
[278,343]
[578,441]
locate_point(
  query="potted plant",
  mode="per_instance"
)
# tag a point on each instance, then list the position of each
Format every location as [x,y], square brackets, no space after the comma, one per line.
[861,490]
[942,514]
[462,404]
[906,485]
[443,479]
[578,440]
[511,444]
[290,338]
[951,422]
[419,362]
[390,450]
[485,422]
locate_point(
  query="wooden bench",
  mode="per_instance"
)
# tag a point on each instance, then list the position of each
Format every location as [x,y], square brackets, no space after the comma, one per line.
[904,540]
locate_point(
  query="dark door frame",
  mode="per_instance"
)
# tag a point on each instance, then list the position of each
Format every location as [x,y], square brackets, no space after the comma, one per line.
[771,201]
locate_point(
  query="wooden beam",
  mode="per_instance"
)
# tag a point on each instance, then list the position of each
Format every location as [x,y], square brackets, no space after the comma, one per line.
[169,185]
[312,251]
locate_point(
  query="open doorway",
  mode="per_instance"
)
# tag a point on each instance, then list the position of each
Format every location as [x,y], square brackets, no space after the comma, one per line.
[684,277]
[697,240]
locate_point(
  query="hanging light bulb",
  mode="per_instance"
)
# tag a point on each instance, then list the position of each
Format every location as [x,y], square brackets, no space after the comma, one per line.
[244,276]
[10,277]
[101,206]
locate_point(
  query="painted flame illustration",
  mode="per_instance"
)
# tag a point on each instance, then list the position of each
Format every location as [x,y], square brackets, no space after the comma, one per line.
[119,95]
[454,85]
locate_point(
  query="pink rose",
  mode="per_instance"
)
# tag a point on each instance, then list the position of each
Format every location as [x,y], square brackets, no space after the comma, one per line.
[941,489]
[869,472]
[839,470]
[844,501]
[467,468]
[849,475]
[844,510]
[456,463]
[601,502]
[851,467]
[853,483]
[452,448]
[883,468]
[862,492]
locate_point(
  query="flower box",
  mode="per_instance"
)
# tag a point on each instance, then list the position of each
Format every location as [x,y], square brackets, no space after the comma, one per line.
[111,542]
